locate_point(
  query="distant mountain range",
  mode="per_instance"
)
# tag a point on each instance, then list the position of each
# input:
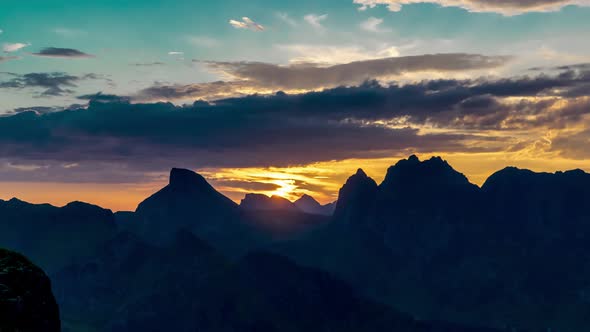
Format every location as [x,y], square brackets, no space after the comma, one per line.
[511,255]
[305,204]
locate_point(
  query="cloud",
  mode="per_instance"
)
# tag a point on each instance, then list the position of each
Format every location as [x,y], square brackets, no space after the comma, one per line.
[234,133]
[315,20]
[68,53]
[13,47]
[69,33]
[203,41]
[287,19]
[175,53]
[148,64]
[8,58]
[246,23]
[365,121]
[314,76]
[373,24]
[335,54]
[104,98]
[51,84]
[508,7]
[257,77]
[210,91]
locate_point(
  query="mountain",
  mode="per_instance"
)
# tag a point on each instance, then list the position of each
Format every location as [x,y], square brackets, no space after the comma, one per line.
[259,202]
[53,236]
[190,202]
[266,293]
[512,253]
[26,300]
[309,205]
[541,202]
[187,286]
[95,293]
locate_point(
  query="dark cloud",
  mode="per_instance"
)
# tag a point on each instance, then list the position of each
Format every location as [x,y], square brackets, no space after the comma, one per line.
[234,133]
[104,98]
[54,52]
[52,84]
[365,121]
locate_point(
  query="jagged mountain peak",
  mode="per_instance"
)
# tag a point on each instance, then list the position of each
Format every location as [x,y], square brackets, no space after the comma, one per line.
[356,196]
[412,172]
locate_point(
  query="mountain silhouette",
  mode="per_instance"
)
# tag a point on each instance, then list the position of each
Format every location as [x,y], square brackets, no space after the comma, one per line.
[53,236]
[187,286]
[308,204]
[189,202]
[511,254]
[259,202]
[442,248]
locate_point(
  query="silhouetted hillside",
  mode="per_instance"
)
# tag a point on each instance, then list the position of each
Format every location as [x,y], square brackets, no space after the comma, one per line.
[428,242]
[513,253]
[132,286]
[53,236]
[189,202]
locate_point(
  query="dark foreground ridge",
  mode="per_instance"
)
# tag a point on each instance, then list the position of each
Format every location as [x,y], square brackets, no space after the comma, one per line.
[26,301]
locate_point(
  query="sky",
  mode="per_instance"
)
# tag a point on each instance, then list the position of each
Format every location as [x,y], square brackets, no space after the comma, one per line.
[99,99]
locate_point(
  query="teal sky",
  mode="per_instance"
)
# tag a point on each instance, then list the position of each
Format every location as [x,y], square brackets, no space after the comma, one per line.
[121,34]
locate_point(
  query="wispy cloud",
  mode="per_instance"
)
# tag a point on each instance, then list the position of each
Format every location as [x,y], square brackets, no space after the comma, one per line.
[175,53]
[315,20]
[67,32]
[287,19]
[373,24]
[13,47]
[512,7]
[148,64]
[246,23]
[8,58]
[54,52]
[203,41]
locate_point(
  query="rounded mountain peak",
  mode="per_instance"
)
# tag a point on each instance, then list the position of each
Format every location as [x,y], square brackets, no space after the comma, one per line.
[182,178]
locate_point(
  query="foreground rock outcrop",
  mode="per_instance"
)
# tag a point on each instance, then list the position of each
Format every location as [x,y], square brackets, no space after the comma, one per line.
[26,301]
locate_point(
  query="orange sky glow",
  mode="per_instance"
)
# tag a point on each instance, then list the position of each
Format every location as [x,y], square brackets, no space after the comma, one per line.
[321,180]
